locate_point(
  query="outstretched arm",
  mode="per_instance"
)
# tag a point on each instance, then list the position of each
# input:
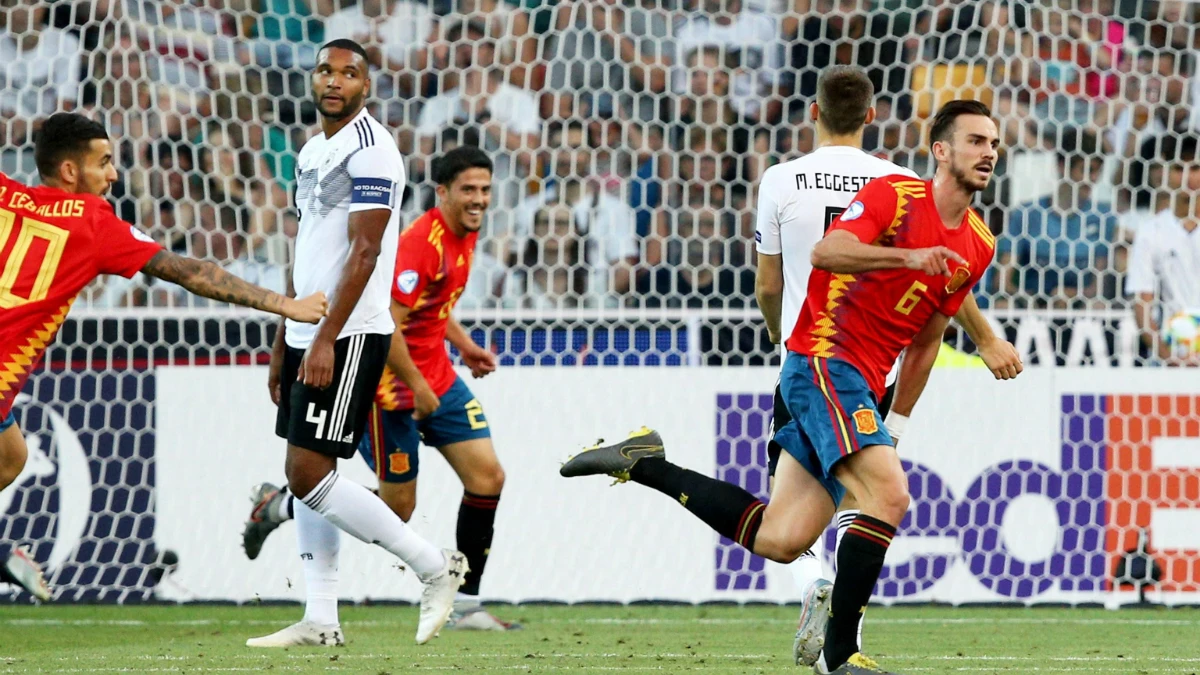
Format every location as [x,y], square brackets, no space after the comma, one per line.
[841,252]
[999,355]
[207,279]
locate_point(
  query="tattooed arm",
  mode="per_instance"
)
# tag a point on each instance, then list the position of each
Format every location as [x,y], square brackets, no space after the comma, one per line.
[207,279]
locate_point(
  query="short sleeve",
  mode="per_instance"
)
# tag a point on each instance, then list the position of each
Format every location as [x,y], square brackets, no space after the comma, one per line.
[1140,278]
[120,247]
[376,176]
[871,211]
[766,231]
[416,264]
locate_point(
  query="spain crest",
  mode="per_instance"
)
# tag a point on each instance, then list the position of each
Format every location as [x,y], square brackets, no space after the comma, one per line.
[865,422]
[960,277]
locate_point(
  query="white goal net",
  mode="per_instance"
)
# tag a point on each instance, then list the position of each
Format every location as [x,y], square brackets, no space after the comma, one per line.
[615,277]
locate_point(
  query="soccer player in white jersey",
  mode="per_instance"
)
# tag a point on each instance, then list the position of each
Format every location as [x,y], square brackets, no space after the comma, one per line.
[797,202]
[350,179]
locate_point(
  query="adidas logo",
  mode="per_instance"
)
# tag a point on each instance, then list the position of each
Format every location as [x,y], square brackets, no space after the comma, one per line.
[461,260]
[349,438]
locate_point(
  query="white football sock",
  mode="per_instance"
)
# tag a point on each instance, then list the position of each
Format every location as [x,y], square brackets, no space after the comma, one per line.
[844,518]
[284,508]
[319,543]
[364,516]
[806,570]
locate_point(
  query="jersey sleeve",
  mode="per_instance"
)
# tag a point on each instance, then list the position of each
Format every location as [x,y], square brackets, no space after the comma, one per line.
[979,267]
[870,213]
[416,265]
[376,177]
[120,248]
[766,232]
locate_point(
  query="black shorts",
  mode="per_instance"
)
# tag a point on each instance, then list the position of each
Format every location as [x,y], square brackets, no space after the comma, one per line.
[332,420]
[781,416]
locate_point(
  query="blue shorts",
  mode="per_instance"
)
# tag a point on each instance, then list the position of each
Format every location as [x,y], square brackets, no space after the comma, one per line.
[834,413]
[7,422]
[393,436]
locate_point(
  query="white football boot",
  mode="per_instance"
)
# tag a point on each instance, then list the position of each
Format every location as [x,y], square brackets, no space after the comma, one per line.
[437,600]
[27,573]
[814,617]
[302,634]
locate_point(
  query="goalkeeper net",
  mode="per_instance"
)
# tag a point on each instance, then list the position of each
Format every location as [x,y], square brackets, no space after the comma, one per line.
[629,137]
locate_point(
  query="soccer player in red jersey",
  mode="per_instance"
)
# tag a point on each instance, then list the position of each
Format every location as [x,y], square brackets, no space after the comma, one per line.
[420,397]
[54,240]
[893,269]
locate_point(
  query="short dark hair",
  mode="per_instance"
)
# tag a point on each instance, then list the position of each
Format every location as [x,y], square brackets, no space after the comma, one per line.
[943,121]
[447,167]
[347,44]
[844,95]
[64,135]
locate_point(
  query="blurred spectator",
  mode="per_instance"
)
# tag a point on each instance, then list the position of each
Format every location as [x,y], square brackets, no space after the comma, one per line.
[603,46]
[39,65]
[282,33]
[506,116]
[396,34]
[553,272]
[746,42]
[605,223]
[1057,249]
[1164,265]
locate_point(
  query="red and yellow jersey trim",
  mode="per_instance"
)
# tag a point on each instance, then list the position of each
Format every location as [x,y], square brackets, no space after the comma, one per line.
[981,229]
[17,364]
[906,192]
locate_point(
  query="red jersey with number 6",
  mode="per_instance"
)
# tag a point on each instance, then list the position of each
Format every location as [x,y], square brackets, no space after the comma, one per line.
[432,267]
[52,244]
[867,319]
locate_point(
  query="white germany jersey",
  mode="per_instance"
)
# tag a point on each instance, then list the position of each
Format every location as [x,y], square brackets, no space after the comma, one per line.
[798,201]
[1165,260]
[359,168]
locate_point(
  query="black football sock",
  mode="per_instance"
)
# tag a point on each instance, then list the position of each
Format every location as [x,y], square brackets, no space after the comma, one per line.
[5,576]
[725,507]
[476,525]
[859,561]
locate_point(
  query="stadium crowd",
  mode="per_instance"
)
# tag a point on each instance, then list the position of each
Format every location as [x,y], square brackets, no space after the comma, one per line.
[629,135]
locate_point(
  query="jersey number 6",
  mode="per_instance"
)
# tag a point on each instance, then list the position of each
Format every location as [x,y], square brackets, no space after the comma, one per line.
[911,298]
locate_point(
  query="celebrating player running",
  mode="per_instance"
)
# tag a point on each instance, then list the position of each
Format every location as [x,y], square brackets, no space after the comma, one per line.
[895,266]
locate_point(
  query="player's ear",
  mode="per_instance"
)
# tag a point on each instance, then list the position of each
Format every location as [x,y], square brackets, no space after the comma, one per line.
[813,112]
[441,192]
[870,116]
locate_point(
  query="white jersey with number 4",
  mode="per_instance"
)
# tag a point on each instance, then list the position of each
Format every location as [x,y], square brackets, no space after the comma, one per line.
[359,168]
[798,201]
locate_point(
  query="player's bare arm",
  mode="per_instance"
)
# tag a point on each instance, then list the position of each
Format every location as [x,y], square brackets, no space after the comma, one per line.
[279,350]
[401,363]
[918,361]
[207,279]
[840,252]
[482,362]
[999,355]
[768,288]
[366,230]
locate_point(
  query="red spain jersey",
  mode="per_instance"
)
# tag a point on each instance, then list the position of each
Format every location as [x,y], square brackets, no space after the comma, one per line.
[432,266]
[868,319]
[52,244]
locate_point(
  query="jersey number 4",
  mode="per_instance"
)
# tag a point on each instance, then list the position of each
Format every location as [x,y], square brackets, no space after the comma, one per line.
[16,270]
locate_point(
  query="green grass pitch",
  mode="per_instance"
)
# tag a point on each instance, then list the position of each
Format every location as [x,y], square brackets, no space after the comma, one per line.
[637,639]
